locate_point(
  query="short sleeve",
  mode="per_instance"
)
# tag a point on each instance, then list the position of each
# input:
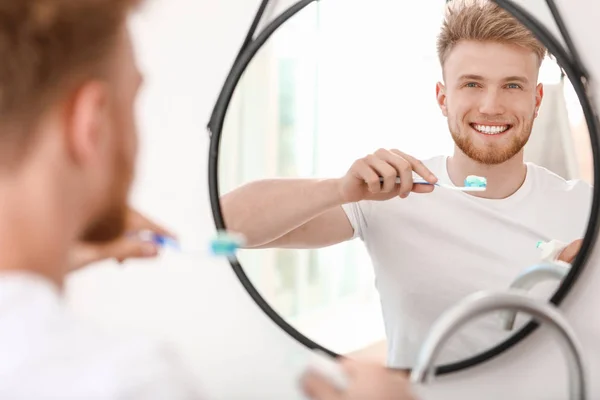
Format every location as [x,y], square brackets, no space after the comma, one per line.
[356,213]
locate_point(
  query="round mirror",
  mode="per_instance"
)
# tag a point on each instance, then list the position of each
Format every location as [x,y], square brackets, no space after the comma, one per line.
[376,188]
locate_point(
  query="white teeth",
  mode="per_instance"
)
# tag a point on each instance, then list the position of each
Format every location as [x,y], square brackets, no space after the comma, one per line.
[490,130]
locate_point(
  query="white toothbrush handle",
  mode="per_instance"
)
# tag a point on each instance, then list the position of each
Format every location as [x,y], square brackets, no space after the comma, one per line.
[459,188]
[416,181]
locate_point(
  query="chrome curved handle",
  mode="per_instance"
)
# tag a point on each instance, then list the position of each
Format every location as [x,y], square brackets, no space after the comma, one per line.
[528,279]
[486,302]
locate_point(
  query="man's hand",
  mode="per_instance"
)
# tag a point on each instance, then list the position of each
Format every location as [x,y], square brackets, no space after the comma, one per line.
[362,181]
[570,252]
[367,382]
[123,248]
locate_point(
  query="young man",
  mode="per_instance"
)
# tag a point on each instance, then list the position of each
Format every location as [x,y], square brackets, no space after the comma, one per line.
[68,82]
[432,249]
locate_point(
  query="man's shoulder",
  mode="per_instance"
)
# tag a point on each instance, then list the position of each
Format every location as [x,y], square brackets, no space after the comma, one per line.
[152,369]
[552,182]
[560,194]
[49,353]
[133,366]
[97,365]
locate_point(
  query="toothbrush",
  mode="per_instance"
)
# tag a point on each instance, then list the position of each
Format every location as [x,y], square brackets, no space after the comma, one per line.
[472,184]
[224,244]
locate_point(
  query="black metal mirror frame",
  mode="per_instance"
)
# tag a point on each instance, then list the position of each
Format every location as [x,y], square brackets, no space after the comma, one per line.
[567,59]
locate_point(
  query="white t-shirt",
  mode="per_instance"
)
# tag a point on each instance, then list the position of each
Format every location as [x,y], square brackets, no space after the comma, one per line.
[431,250]
[45,353]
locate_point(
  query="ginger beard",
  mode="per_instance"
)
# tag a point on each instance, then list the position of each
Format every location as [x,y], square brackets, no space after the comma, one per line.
[491,150]
[111,221]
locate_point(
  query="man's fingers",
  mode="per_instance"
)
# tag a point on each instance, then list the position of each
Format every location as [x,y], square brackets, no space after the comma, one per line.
[570,252]
[317,387]
[406,165]
[127,247]
[120,250]
[353,368]
[422,188]
[367,174]
[380,170]
[83,254]
[384,170]
[402,169]
[417,166]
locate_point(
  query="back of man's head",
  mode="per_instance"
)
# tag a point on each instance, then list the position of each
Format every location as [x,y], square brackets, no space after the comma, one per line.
[47,49]
[483,21]
[68,138]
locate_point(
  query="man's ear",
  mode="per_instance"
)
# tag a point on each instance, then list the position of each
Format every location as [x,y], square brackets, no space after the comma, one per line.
[539,95]
[85,119]
[440,93]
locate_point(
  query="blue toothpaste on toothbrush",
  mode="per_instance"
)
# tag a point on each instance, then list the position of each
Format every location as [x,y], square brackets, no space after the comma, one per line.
[475,181]
[226,244]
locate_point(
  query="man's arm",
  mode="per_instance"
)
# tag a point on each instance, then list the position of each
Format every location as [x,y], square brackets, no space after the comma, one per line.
[367,381]
[287,213]
[307,213]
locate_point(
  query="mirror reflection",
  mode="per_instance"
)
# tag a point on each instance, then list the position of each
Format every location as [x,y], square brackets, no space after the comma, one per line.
[328,119]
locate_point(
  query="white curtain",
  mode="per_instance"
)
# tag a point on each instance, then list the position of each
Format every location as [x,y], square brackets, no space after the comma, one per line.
[551,144]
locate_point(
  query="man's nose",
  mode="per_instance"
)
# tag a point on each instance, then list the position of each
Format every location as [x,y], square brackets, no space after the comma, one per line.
[491,103]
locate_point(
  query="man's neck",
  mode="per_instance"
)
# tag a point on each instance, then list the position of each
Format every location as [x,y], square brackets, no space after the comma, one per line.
[503,180]
[34,228]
